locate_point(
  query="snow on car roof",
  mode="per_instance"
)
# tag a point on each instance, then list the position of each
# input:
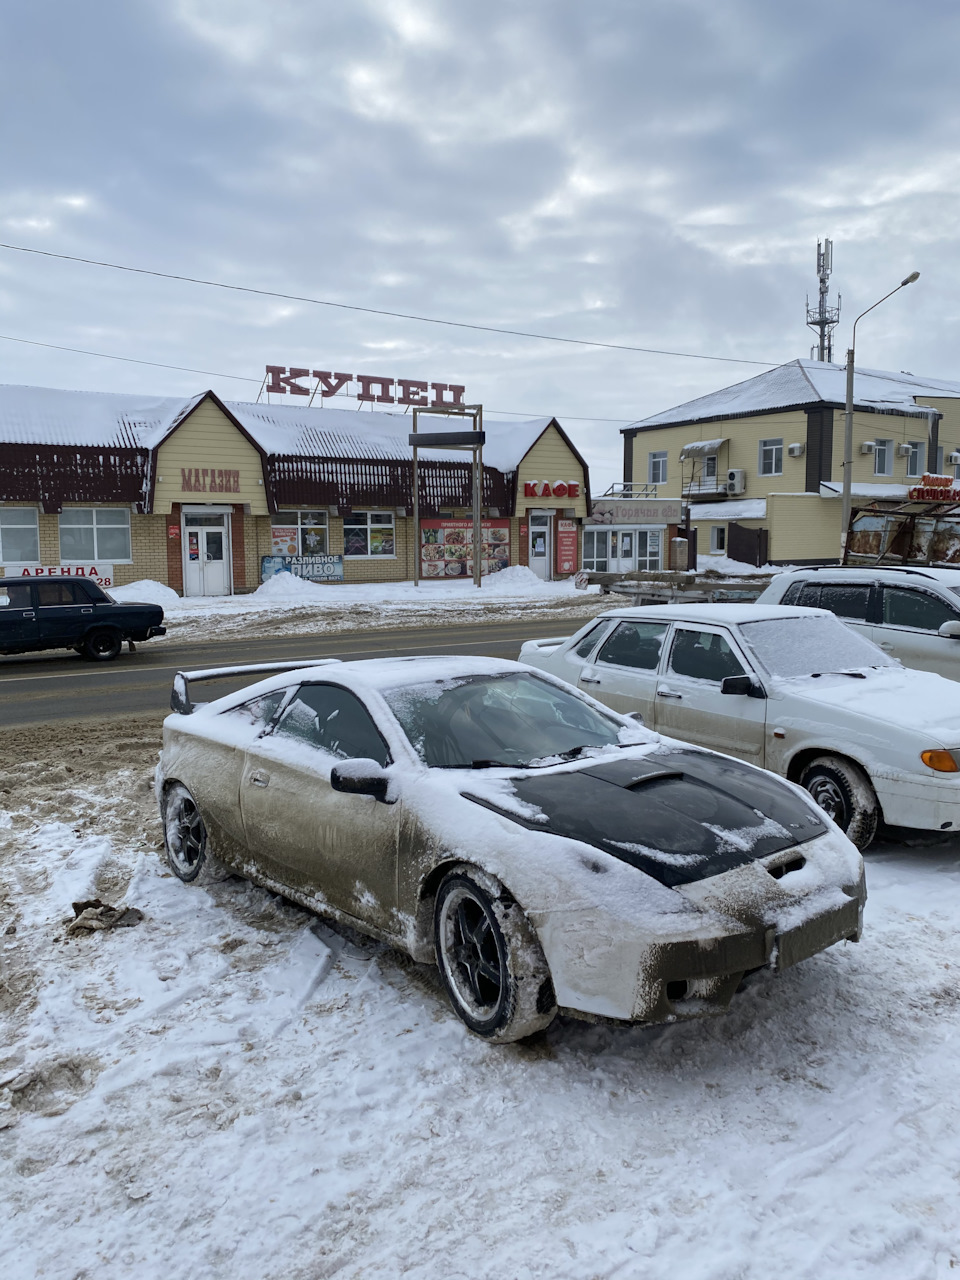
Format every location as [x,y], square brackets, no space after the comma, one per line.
[715,613]
[948,577]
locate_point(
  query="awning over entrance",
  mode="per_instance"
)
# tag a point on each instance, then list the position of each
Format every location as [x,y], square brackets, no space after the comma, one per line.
[702,448]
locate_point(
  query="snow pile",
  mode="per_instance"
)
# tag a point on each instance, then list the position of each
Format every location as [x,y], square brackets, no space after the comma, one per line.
[147,591]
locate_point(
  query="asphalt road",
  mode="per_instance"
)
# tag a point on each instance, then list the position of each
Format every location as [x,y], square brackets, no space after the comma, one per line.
[38,688]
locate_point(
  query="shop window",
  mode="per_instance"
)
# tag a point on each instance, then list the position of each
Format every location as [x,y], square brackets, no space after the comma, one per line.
[19,536]
[657,467]
[718,539]
[915,461]
[369,533]
[771,457]
[596,544]
[883,458]
[649,544]
[299,533]
[89,534]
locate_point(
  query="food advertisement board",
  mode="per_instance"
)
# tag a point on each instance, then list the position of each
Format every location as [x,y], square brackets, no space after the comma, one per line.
[566,546]
[313,568]
[446,547]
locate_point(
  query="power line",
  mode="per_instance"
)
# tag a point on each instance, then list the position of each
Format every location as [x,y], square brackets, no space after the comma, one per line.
[208,373]
[238,377]
[374,311]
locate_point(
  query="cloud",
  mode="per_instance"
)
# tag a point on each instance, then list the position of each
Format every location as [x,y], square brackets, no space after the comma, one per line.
[652,174]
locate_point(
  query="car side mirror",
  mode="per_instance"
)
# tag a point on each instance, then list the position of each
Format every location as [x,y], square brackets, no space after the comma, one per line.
[744,685]
[950,630]
[361,778]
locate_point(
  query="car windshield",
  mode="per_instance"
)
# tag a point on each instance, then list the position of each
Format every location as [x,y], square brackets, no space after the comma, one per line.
[811,646]
[512,719]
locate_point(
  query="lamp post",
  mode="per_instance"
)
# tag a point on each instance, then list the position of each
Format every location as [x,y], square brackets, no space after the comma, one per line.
[848,414]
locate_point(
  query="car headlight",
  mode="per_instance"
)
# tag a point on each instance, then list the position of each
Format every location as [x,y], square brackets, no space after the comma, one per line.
[940,760]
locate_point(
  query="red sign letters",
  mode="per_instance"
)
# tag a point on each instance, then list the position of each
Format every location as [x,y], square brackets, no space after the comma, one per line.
[281,380]
[559,489]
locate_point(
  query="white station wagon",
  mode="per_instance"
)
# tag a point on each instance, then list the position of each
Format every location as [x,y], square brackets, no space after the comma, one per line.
[791,689]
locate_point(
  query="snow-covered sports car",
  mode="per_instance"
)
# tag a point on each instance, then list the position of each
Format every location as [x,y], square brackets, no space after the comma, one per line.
[547,852]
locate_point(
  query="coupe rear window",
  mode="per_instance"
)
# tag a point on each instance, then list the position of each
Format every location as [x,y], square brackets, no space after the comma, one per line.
[811,646]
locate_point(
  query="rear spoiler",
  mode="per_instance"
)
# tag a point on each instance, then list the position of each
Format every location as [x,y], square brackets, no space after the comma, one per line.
[180,694]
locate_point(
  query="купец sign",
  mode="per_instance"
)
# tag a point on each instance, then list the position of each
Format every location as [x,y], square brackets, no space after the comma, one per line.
[281,380]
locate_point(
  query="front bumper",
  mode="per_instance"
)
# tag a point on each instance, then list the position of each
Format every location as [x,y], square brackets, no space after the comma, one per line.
[927,804]
[694,980]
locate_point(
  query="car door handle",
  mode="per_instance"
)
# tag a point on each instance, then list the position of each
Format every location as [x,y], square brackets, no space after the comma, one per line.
[668,693]
[885,645]
[86,611]
[260,779]
[590,680]
[30,614]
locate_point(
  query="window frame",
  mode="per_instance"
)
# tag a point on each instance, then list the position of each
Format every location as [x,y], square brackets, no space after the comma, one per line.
[352,522]
[884,451]
[731,641]
[917,458]
[273,728]
[105,558]
[657,463]
[718,539]
[773,446]
[26,525]
[276,522]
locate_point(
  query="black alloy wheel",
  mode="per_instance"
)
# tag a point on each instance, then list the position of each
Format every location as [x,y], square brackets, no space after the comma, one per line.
[185,839]
[490,959]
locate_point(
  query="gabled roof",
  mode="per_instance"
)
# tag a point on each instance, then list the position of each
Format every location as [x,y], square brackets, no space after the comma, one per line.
[111,420]
[806,383]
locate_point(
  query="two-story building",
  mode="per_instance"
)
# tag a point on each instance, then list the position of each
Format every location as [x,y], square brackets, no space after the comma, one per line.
[761,463]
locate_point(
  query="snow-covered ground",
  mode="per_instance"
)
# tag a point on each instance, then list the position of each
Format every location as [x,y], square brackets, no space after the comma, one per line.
[233,1089]
[285,605]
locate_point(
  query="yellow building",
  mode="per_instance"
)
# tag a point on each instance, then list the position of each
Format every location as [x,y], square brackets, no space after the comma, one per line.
[211,498]
[761,462]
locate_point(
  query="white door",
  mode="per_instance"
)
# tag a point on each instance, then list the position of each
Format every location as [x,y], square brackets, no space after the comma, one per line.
[910,621]
[206,558]
[690,706]
[623,674]
[541,546]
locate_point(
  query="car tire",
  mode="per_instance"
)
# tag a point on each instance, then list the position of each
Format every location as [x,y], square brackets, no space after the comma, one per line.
[185,840]
[843,791]
[490,959]
[102,645]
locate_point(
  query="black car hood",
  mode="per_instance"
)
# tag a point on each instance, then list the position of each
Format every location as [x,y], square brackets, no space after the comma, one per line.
[679,816]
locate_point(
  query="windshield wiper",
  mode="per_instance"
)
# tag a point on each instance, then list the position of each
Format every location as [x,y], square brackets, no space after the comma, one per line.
[854,675]
[493,764]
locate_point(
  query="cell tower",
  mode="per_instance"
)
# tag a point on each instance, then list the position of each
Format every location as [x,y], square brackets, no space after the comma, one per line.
[824,317]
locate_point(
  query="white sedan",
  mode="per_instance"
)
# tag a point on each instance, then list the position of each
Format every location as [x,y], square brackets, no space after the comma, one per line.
[545,852]
[791,689]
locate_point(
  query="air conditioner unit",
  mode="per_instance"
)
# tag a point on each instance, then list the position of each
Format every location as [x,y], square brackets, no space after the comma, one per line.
[736,481]
[903,451]
[954,459]
[796,450]
[868,446]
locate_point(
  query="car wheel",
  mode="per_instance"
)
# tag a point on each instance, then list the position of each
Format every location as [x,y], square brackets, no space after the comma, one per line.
[843,791]
[490,959]
[185,839]
[102,645]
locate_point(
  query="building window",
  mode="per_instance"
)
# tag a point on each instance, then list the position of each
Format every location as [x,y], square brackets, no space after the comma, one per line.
[19,536]
[883,458]
[940,460]
[657,467]
[89,534]
[718,539]
[299,533]
[369,533]
[771,457]
[710,467]
[915,460]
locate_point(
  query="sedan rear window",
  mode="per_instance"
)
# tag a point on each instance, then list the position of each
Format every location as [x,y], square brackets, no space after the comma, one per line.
[811,646]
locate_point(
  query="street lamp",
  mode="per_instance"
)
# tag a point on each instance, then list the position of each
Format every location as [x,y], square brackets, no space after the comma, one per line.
[848,414]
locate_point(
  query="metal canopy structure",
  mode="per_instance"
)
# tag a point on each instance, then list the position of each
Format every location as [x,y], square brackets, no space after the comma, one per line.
[468,441]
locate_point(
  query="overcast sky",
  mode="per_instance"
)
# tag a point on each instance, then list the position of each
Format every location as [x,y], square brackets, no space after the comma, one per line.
[647,172]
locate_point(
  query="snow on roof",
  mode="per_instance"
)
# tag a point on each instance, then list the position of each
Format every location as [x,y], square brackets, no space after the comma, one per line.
[723,613]
[46,415]
[834,489]
[700,448]
[742,509]
[808,382]
[49,416]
